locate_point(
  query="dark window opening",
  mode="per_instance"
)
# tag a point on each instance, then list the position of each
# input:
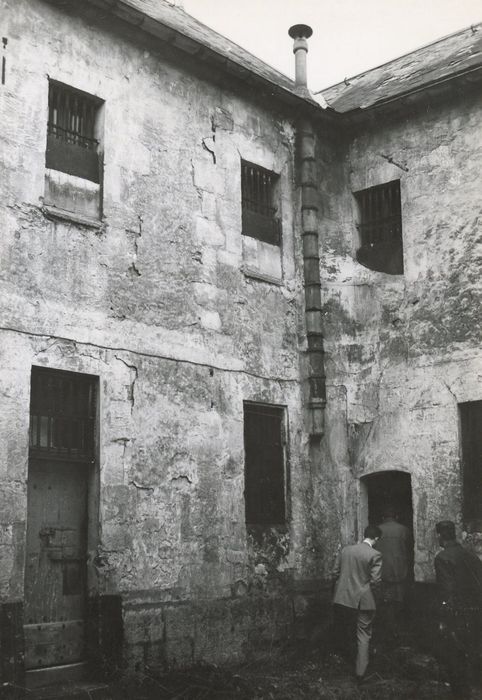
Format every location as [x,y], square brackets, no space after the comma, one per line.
[380,228]
[72,146]
[264,471]
[259,218]
[471,438]
[62,414]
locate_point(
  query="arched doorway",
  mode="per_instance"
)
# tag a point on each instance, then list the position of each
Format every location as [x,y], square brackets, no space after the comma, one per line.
[381,489]
[384,496]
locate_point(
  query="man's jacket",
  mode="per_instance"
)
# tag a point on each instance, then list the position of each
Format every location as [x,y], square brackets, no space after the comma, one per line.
[357,569]
[394,545]
[459,577]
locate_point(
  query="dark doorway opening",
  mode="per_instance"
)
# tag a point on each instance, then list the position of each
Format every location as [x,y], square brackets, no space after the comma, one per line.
[387,497]
[471,439]
[388,488]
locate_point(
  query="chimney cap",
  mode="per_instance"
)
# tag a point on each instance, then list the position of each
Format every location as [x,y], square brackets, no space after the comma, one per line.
[300,31]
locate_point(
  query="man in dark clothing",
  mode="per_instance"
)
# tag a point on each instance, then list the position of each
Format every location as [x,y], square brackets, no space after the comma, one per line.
[459,579]
[394,545]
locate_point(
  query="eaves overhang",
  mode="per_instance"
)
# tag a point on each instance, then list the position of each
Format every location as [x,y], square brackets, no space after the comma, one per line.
[430,93]
[173,27]
[440,70]
[353,101]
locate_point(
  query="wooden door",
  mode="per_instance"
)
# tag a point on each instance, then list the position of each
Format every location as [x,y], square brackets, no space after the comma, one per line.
[62,427]
[55,577]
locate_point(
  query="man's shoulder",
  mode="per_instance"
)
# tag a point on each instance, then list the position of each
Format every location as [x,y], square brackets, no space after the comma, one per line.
[457,553]
[351,550]
[392,526]
[356,546]
[361,550]
[448,553]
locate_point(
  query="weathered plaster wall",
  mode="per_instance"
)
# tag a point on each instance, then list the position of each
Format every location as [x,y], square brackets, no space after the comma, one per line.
[154,303]
[402,351]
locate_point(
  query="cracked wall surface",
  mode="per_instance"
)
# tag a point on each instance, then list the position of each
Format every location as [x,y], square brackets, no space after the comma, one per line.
[157,302]
[403,351]
[154,302]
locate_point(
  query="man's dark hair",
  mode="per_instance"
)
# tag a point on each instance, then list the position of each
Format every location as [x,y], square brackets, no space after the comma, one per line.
[389,511]
[372,532]
[446,530]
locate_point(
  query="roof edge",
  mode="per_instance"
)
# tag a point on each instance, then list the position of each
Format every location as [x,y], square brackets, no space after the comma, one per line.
[403,55]
[140,21]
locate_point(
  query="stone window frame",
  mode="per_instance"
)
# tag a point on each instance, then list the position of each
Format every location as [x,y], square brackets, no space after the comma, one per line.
[379,226]
[260,207]
[74,132]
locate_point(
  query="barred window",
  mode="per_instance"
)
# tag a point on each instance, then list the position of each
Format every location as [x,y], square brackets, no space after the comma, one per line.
[259,219]
[72,146]
[62,414]
[380,228]
[264,476]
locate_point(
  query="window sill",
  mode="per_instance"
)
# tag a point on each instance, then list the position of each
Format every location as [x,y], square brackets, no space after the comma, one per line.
[58,214]
[253,273]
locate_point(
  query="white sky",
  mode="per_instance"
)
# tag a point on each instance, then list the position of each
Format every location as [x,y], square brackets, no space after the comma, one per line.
[349,36]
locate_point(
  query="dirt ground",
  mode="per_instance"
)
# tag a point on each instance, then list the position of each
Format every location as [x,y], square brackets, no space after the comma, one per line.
[401,668]
[299,673]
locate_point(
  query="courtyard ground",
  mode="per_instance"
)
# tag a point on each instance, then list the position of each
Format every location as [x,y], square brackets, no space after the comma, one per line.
[301,673]
[401,670]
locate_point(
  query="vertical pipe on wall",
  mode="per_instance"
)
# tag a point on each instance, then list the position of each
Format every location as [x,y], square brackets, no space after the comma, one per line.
[311,257]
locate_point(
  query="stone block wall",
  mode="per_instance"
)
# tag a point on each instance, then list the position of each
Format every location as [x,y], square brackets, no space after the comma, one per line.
[157,293]
[152,298]
[404,350]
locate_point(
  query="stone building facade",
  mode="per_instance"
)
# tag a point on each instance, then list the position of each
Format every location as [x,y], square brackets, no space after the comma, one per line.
[403,350]
[172,210]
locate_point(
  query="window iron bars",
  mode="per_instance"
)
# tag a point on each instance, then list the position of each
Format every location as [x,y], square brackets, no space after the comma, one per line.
[72,117]
[257,189]
[380,228]
[62,414]
[380,214]
[383,232]
[257,197]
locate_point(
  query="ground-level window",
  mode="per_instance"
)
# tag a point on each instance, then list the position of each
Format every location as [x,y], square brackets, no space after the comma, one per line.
[62,414]
[380,228]
[471,438]
[260,217]
[265,473]
[72,132]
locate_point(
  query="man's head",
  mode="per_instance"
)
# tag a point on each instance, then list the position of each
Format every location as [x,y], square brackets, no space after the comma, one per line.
[445,531]
[389,512]
[372,532]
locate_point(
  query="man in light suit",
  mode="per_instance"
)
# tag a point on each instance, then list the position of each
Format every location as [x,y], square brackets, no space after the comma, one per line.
[358,572]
